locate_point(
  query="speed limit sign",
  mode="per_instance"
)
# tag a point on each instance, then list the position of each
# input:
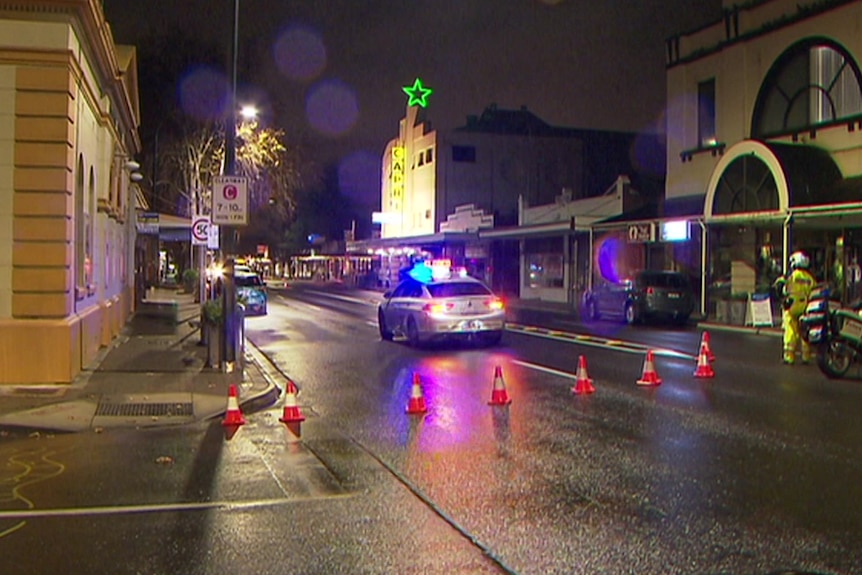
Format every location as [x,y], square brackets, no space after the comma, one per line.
[200,230]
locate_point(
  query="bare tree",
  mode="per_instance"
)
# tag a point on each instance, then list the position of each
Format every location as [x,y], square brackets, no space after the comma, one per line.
[262,156]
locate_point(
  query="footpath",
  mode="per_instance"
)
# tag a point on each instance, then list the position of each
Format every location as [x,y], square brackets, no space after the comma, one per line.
[155,373]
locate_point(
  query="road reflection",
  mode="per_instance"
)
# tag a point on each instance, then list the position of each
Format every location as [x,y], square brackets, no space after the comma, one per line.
[456,388]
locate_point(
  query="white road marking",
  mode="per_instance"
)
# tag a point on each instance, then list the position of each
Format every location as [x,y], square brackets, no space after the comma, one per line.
[345,298]
[600,342]
[162,507]
[550,370]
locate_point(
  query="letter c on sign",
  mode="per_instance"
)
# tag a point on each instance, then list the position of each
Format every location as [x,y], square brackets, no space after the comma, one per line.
[230,192]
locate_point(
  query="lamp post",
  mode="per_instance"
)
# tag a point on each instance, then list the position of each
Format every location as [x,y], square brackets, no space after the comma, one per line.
[227,233]
[139,265]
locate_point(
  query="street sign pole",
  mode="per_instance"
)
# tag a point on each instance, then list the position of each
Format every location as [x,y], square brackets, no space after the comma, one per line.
[229,209]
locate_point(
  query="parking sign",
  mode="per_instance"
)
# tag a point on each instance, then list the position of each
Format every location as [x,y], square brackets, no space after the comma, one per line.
[230,201]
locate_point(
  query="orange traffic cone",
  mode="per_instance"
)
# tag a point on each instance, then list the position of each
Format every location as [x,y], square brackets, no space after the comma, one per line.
[499,395]
[704,369]
[417,399]
[650,376]
[233,418]
[291,413]
[704,340]
[583,384]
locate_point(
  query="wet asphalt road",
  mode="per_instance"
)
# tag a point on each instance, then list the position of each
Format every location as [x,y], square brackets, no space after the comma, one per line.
[752,471]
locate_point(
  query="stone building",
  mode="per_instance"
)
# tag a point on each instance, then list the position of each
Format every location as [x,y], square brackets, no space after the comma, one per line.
[68,128]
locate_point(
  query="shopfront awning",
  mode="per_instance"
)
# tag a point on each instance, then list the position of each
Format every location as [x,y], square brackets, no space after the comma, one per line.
[172,222]
[832,216]
[530,231]
[429,240]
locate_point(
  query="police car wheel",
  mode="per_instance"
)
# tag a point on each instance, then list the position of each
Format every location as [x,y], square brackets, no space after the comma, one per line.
[412,332]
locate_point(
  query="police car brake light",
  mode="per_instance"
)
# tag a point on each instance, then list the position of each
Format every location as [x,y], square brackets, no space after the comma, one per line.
[437,307]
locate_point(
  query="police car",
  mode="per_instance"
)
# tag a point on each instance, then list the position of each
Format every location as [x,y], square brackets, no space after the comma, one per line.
[437,302]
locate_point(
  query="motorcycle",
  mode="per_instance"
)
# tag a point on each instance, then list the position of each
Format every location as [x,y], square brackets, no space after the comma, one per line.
[834,331]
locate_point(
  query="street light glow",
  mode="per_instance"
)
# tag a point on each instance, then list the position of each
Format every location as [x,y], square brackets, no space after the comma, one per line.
[249,112]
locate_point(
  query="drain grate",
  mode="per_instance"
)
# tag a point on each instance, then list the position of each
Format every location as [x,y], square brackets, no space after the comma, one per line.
[145,409]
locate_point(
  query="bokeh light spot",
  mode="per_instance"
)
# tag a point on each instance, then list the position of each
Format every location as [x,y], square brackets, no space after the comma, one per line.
[203,93]
[608,253]
[331,107]
[299,53]
[359,174]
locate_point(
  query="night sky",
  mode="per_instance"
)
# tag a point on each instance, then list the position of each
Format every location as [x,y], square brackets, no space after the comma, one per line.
[330,72]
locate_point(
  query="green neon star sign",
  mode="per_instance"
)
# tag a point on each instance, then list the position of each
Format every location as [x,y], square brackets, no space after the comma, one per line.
[417,94]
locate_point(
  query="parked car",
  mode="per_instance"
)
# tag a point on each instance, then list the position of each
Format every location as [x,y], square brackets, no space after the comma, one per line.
[276,283]
[649,295]
[448,307]
[251,292]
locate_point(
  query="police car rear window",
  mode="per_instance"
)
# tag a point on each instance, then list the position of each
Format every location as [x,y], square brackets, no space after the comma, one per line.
[455,289]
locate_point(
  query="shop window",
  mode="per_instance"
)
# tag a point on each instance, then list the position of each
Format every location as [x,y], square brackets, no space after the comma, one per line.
[815,81]
[743,259]
[544,259]
[544,271]
[464,154]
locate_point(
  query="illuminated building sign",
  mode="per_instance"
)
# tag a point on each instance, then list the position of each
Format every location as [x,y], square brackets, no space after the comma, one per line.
[397,178]
[675,231]
[639,233]
[417,94]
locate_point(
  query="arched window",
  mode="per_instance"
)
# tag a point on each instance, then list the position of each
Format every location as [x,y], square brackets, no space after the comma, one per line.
[813,82]
[89,225]
[747,185]
[80,230]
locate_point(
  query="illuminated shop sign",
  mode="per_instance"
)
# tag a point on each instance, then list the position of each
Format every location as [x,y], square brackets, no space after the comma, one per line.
[639,233]
[397,178]
[675,231]
[385,218]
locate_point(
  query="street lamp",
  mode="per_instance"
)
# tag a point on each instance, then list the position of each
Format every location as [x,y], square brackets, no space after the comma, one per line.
[249,112]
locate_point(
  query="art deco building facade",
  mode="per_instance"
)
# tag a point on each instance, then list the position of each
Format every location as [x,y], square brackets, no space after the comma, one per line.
[68,126]
[462,195]
[764,122]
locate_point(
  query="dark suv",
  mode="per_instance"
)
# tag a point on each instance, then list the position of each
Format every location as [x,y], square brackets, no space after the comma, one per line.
[650,295]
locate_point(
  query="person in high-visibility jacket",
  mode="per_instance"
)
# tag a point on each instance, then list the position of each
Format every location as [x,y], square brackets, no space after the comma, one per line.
[795,289]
